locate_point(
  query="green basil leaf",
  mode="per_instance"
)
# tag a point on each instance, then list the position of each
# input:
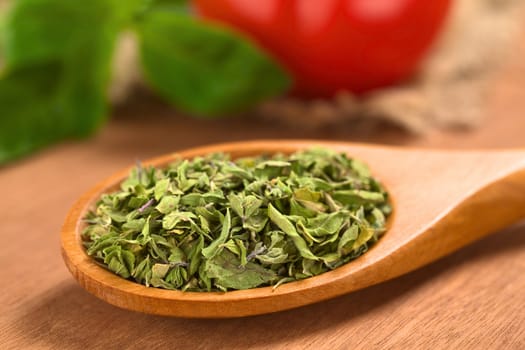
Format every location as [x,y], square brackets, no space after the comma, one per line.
[205,69]
[57,70]
[177,5]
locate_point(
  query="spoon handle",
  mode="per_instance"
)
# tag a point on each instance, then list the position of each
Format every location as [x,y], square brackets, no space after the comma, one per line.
[492,198]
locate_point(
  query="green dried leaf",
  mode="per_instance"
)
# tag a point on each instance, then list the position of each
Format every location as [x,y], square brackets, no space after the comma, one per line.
[161,187]
[216,224]
[346,243]
[284,224]
[168,204]
[236,204]
[177,256]
[358,197]
[176,217]
[195,255]
[324,224]
[159,270]
[365,234]
[212,250]
[228,272]
[134,225]
[119,260]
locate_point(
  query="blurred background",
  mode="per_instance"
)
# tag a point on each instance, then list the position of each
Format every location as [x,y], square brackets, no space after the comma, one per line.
[138,78]
[87,88]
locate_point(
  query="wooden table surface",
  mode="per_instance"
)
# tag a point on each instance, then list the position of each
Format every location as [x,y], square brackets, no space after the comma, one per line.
[473,299]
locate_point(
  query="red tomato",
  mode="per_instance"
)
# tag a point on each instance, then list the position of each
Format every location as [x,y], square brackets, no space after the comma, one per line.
[332,45]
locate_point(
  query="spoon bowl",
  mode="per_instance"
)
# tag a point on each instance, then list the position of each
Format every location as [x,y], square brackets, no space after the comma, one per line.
[443,200]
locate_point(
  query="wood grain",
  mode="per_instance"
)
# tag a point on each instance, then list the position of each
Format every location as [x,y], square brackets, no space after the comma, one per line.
[443,201]
[472,299]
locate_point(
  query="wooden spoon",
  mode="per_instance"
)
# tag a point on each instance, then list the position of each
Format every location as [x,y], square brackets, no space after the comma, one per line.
[442,201]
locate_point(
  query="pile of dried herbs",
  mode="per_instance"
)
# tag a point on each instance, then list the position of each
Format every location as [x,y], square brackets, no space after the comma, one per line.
[211,223]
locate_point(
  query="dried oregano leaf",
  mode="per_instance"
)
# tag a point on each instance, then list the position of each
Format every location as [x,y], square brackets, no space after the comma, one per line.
[211,223]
